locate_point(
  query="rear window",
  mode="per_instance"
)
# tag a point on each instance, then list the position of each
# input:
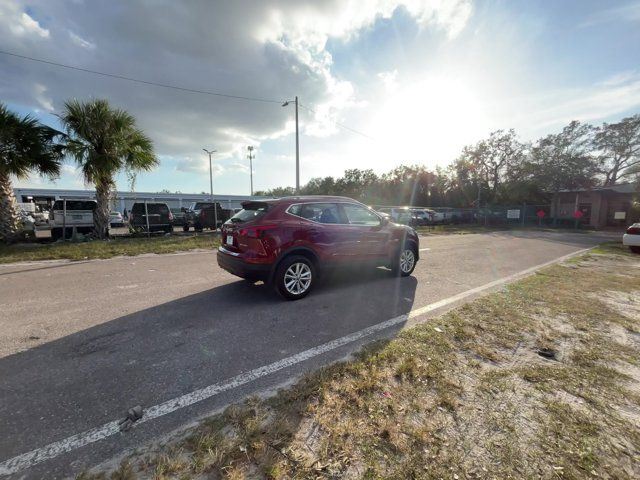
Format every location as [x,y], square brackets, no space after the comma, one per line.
[156,208]
[250,211]
[74,205]
[200,205]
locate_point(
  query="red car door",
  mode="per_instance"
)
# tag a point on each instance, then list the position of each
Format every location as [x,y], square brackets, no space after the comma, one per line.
[368,239]
[321,228]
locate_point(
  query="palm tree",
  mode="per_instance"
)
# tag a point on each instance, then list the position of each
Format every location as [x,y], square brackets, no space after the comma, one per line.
[26,146]
[105,141]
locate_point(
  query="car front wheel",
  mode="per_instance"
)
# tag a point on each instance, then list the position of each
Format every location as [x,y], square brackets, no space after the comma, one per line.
[405,261]
[295,277]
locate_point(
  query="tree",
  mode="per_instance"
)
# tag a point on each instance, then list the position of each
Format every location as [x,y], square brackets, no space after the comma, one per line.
[26,146]
[563,160]
[104,141]
[619,148]
[490,160]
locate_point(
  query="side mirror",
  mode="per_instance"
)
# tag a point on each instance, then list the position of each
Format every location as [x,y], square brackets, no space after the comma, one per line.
[384,221]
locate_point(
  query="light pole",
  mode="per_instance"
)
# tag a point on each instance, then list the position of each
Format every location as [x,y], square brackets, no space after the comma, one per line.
[215,208]
[251,156]
[297,146]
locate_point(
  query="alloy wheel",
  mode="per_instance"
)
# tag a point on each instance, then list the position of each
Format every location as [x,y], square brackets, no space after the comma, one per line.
[297,278]
[407,260]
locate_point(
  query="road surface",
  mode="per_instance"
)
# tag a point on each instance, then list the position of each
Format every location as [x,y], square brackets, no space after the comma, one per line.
[80,343]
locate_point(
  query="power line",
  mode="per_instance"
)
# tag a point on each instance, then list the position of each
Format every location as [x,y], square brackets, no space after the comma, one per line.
[174,87]
[341,125]
[137,80]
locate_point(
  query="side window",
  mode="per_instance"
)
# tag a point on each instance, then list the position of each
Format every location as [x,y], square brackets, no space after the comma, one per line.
[358,215]
[317,212]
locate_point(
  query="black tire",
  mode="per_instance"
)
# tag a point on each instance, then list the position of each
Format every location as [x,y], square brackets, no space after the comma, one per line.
[289,291]
[56,234]
[185,228]
[168,229]
[635,249]
[198,228]
[398,265]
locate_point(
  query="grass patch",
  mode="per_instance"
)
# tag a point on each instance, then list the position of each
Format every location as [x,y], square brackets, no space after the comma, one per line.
[104,248]
[466,395]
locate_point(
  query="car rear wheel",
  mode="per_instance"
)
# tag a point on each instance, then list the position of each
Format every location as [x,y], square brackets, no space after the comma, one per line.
[295,277]
[405,261]
[635,249]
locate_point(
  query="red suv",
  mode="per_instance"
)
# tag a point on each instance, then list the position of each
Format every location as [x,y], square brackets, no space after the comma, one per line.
[289,241]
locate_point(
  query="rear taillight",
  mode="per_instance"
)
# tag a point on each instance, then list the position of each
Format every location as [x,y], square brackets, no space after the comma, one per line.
[256,232]
[633,230]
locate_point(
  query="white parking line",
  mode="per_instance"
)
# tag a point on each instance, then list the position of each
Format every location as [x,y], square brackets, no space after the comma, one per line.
[424,249]
[29,459]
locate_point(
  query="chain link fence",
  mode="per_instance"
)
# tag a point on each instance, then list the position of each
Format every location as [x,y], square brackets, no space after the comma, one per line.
[509,216]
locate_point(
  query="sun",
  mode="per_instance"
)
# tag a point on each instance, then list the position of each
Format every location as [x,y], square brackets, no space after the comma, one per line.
[428,122]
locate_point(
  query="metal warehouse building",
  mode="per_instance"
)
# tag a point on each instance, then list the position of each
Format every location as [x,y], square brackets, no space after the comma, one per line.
[46,196]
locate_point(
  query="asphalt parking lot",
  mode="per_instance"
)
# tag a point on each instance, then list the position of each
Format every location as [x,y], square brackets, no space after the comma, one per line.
[80,343]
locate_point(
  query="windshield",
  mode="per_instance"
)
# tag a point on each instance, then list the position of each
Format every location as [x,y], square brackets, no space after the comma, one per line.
[75,205]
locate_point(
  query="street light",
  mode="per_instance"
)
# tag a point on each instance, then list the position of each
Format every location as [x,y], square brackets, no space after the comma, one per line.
[215,208]
[297,145]
[251,156]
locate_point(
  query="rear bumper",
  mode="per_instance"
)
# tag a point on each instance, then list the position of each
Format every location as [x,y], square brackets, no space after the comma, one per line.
[237,266]
[631,240]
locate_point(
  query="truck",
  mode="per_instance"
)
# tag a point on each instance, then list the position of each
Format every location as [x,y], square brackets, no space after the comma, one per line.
[201,215]
[69,214]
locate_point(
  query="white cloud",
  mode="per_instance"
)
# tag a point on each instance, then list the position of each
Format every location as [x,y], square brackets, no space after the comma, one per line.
[81,42]
[625,13]
[610,97]
[19,23]
[199,165]
[39,92]
[25,25]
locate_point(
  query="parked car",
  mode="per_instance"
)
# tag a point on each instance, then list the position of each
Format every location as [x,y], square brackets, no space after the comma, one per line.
[27,224]
[288,242]
[79,215]
[160,217]
[201,215]
[116,220]
[178,217]
[632,238]
[40,216]
[401,215]
[422,216]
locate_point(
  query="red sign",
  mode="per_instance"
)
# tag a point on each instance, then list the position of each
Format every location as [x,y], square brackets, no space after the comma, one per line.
[540,214]
[578,214]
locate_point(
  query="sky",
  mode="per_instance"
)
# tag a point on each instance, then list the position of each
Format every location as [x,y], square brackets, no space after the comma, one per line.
[380,82]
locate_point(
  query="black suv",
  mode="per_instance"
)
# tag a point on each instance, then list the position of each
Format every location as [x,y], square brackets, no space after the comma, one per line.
[159,215]
[201,215]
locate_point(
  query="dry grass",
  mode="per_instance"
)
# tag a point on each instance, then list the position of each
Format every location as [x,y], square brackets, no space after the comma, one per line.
[104,248]
[473,399]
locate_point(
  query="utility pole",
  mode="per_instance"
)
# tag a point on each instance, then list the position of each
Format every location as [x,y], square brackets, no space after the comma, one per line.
[251,156]
[297,145]
[215,208]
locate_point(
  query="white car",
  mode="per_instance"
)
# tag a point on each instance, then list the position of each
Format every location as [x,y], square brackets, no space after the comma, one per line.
[116,220]
[632,238]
